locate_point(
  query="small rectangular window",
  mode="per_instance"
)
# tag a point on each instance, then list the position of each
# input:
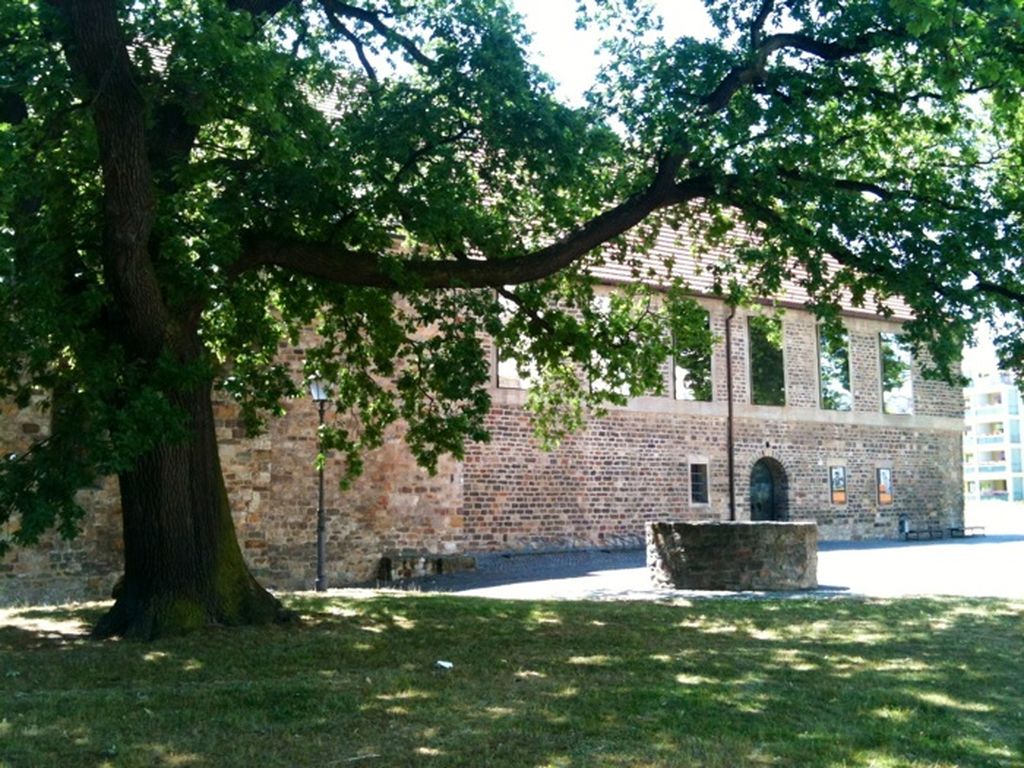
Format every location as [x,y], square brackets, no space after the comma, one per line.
[897,387]
[767,377]
[834,369]
[699,484]
[837,484]
[884,486]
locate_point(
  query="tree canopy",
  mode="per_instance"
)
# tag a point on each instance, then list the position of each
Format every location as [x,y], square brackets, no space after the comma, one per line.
[188,183]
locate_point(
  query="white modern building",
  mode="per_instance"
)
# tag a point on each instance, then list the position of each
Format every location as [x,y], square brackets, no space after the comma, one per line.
[993,463]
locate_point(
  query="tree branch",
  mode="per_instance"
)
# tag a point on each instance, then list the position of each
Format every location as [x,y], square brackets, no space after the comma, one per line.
[347,267]
[353,38]
[424,150]
[737,77]
[849,185]
[819,48]
[172,137]
[374,20]
[747,74]
[96,50]
[757,25]
[873,188]
[1001,290]
[258,8]
[885,274]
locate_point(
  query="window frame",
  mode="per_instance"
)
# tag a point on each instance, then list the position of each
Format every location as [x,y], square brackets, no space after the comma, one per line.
[696,464]
[893,339]
[883,485]
[822,339]
[681,373]
[752,320]
[838,485]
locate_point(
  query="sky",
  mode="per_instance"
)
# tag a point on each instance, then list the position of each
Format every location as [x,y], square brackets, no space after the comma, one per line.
[567,54]
[980,358]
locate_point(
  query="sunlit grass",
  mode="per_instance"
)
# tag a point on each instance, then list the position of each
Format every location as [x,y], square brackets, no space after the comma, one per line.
[838,684]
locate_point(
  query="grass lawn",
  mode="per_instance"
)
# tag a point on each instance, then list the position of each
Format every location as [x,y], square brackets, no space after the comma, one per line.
[804,682]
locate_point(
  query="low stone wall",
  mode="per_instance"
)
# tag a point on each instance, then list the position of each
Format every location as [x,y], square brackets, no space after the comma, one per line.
[733,555]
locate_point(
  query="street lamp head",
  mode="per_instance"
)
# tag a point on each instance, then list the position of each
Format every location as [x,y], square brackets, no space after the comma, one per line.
[317,389]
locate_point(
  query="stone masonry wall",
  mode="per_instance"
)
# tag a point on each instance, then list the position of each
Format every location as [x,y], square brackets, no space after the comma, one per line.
[597,490]
[602,485]
[733,556]
[800,351]
[56,569]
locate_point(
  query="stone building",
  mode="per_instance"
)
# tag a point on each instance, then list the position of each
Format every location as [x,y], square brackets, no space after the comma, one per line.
[842,431]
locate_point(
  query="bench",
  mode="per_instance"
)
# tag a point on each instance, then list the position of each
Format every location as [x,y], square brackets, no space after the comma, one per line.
[931,532]
[406,564]
[963,531]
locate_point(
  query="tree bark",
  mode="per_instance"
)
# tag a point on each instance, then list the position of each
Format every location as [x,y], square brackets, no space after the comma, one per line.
[183,566]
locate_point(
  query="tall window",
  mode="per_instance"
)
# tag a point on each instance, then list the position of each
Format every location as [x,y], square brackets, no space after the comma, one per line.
[603,306]
[897,388]
[834,369]
[884,478]
[837,484]
[699,483]
[511,374]
[692,370]
[767,379]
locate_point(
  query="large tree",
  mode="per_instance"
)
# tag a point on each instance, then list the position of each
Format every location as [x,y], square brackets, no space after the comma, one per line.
[187,183]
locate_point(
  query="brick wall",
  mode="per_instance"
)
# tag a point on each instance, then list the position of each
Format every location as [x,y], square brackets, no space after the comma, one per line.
[84,567]
[597,490]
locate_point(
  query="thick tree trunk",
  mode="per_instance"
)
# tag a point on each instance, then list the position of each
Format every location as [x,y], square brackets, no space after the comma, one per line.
[183,566]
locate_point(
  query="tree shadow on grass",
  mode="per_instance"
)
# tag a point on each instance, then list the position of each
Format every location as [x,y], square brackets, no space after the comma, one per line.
[716,683]
[50,627]
[904,683]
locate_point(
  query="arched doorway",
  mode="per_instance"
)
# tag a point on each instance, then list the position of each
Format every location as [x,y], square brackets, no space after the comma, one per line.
[768,491]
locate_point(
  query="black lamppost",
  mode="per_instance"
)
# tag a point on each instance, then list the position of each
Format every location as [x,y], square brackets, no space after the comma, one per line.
[319,394]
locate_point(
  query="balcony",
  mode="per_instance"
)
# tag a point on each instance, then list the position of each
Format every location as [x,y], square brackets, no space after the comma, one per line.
[989,410]
[990,439]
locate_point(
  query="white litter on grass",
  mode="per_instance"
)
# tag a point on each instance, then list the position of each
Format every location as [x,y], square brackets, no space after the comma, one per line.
[444,664]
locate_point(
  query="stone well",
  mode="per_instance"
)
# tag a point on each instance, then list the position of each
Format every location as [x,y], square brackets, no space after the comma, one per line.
[733,555]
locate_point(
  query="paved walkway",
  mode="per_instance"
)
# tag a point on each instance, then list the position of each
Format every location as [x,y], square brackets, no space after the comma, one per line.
[985,566]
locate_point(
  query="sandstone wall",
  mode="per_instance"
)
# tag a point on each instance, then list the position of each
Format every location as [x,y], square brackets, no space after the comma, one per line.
[602,485]
[733,556]
[56,569]
[597,490]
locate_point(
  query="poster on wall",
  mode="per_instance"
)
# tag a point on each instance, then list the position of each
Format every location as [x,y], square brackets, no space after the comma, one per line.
[884,486]
[837,482]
